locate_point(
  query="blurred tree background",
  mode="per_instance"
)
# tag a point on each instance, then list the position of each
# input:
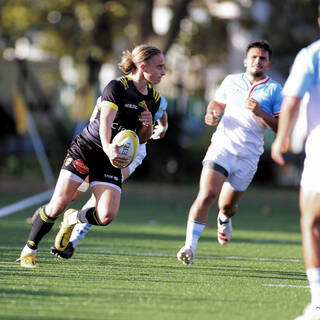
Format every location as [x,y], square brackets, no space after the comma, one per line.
[57,55]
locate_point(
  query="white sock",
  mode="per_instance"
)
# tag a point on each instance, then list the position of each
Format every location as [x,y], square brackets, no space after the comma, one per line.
[314,282]
[27,250]
[79,231]
[194,230]
[223,217]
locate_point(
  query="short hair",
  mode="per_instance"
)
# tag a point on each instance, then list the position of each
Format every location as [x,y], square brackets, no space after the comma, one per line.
[262,44]
[143,52]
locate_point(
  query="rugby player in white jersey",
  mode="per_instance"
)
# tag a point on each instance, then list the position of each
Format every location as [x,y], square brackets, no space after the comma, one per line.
[250,103]
[81,229]
[305,78]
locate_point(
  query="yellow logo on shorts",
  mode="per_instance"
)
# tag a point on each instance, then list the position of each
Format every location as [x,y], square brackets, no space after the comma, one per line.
[67,161]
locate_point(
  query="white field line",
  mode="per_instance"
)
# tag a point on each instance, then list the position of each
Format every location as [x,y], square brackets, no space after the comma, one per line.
[285,286]
[25,203]
[161,254]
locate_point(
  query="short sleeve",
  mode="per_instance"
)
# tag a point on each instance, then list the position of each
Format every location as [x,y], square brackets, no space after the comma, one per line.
[221,93]
[111,95]
[277,101]
[162,108]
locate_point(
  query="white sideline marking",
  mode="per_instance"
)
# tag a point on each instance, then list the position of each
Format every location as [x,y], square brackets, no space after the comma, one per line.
[285,286]
[28,202]
[161,254]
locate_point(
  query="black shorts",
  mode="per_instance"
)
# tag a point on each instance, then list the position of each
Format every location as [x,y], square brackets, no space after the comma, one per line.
[85,158]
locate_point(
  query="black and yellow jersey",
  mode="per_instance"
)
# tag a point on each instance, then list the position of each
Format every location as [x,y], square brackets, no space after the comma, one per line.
[122,95]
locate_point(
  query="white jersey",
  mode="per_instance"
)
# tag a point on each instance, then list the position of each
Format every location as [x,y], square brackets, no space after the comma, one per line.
[239,130]
[305,78]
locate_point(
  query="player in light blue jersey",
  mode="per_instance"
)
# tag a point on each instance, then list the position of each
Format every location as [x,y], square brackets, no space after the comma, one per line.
[251,103]
[304,79]
[81,229]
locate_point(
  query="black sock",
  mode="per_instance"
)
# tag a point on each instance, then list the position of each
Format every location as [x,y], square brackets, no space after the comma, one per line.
[89,215]
[41,225]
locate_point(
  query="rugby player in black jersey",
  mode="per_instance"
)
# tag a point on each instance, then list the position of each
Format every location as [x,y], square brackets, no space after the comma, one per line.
[129,102]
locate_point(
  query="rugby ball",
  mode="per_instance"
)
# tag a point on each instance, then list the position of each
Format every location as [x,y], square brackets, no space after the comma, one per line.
[128,141]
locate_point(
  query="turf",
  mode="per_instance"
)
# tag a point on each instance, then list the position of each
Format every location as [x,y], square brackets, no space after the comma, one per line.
[128,270]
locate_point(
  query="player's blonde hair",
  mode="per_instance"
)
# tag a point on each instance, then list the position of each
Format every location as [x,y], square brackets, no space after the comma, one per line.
[141,53]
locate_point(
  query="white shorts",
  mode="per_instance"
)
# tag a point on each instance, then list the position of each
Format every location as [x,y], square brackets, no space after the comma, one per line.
[311,174]
[240,170]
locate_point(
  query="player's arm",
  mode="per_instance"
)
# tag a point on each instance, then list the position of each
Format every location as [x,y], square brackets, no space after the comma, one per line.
[141,154]
[288,117]
[146,120]
[268,120]
[214,110]
[107,115]
[161,128]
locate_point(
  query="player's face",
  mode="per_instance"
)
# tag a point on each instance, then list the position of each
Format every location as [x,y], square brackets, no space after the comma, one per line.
[154,69]
[257,62]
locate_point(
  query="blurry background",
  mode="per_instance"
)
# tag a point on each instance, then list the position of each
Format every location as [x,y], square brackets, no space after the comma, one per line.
[57,55]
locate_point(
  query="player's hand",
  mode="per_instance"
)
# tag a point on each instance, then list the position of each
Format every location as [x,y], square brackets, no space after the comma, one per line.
[278,148]
[146,117]
[211,119]
[159,132]
[253,106]
[115,157]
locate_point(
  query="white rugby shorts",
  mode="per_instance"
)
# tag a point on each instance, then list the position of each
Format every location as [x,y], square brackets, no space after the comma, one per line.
[240,170]
[311,173]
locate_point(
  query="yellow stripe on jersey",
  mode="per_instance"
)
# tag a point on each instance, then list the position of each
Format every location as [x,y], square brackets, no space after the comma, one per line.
[124,81]
[109,104]
[156,95]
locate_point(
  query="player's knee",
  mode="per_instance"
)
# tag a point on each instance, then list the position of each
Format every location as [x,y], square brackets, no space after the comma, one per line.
[55,208]
[207,198]
[107,218]
[309,222]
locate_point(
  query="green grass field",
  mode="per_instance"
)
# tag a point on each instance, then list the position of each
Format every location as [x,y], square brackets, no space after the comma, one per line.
[128,270]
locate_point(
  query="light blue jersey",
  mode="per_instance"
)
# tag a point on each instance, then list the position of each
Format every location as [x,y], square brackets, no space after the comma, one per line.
[305,78]
[240,131]
[162,108]
[304,81]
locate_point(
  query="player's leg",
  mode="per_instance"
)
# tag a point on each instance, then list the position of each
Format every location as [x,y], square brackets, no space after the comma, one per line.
[310,228]
[242,172]
[81,189]
[81,229]
[228,207]
[108,201]
[211,181]
[78,233]
[44,218]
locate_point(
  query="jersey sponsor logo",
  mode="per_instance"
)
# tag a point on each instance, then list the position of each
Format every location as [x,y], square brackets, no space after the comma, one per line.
[116,126]
[111,177]
[131,106]
[80,166]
